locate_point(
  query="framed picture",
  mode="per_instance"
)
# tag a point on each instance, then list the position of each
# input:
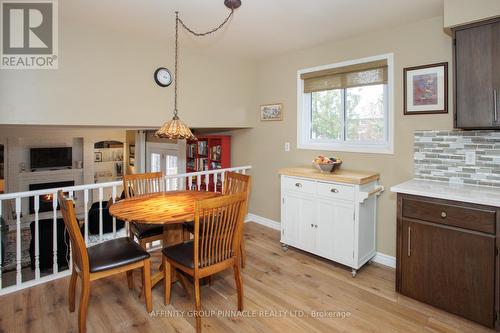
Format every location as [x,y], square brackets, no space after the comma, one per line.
[271,112]
[426,89]
[131,161]
[131,150]
[97,156]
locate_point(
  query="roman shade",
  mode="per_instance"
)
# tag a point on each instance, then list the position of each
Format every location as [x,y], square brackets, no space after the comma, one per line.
[364,74]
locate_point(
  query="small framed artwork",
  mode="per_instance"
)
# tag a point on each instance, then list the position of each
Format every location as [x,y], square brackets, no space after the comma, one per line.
[97,156]
[131,161]
[426,89]
[271,112]
[131,150]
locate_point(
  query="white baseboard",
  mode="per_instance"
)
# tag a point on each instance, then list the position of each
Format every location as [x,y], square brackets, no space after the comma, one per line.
[385,259]
[380,258]
[262,220]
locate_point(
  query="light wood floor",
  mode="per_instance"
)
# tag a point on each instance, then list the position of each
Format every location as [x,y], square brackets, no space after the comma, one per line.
[273,280]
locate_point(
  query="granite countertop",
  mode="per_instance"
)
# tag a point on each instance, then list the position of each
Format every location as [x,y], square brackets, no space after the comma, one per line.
[339,176]
[476,194]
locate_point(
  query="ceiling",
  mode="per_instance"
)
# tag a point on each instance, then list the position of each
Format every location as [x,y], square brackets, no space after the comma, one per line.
[260,28]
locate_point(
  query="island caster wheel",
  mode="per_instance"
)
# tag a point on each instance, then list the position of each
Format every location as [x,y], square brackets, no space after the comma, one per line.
[354,272]
[284,247]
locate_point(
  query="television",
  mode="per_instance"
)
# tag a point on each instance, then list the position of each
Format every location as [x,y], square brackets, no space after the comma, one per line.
[58,157]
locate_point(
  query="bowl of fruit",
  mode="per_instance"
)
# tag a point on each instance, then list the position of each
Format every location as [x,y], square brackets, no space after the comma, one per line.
[327,164]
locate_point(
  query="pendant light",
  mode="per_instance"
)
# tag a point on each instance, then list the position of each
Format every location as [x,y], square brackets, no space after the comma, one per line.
[175,128]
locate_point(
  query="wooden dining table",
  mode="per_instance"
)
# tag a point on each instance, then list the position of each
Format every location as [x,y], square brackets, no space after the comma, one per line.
[170,209]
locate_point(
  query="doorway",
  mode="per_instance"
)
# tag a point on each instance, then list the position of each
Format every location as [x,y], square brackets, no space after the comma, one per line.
[164,158]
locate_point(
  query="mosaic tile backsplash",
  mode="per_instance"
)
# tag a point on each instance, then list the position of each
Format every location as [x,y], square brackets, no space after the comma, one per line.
[441,156]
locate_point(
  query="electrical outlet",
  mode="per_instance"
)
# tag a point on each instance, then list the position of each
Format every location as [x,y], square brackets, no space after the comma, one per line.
[287,146]
[470,158]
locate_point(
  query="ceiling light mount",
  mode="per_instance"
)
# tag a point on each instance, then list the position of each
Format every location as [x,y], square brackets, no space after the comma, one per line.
[232,4]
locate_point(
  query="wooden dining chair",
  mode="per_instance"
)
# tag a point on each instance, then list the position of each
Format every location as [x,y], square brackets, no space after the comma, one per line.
[233,183]
[102,260]
[215,246]
[238,183]
[139,184]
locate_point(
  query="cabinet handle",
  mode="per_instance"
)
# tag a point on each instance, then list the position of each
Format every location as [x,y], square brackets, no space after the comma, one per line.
[298,184]
[334,190]
[315,225]
[409,241]
[312,225]
[495,105]
[443,215]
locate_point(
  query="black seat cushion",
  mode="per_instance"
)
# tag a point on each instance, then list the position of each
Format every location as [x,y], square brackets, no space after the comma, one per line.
[182,253]
[143,230]
[115,253]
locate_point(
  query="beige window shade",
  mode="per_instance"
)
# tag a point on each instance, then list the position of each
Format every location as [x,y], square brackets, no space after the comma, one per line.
[369,73]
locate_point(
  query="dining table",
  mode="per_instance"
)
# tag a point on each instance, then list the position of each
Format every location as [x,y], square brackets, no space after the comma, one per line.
[169,209]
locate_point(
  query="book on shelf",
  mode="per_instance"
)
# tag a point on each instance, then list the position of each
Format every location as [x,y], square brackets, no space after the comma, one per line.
[203,148]
[191,151]
[202,164]
[215,153]
[215,165]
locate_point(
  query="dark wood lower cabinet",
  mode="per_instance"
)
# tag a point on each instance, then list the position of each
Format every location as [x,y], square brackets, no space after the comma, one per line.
[452,268]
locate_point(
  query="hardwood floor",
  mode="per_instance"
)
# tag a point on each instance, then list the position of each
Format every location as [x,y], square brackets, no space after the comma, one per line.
[273,281]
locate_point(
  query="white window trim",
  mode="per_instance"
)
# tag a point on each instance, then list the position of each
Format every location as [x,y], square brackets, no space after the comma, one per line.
[303,141]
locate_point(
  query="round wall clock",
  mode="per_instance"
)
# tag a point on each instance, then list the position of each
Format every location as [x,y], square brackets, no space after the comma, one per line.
[163,77]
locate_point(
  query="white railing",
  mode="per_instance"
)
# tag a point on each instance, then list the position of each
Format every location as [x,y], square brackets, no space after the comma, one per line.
[19,217]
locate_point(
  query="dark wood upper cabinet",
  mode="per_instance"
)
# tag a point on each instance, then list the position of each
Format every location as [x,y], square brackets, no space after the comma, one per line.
[477,76]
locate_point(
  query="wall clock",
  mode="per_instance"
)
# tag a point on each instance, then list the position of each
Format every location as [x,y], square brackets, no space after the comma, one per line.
[163,77]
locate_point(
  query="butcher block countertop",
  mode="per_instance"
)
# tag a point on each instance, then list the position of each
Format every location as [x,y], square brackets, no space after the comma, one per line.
[339,176]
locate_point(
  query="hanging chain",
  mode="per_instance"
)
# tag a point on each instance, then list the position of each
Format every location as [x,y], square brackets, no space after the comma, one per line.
[198,34]
[201,34]
[175,63]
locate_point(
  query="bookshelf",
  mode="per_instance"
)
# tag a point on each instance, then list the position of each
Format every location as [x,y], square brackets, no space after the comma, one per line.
[210,152]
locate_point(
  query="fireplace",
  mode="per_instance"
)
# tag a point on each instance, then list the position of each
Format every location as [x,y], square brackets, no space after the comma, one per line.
[46,200]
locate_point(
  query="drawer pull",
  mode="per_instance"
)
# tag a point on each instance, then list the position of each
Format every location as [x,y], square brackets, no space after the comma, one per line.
[334,190]
[315,225]
[409,242]
[443,215]
[312,225]
[298,184]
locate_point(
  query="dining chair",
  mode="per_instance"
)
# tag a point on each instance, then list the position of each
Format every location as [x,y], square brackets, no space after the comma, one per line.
[102,260]
[233,183]
[238,183]
[215,246]
[139,184]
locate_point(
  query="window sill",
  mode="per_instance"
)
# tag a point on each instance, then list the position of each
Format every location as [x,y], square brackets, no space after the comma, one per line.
[369,149]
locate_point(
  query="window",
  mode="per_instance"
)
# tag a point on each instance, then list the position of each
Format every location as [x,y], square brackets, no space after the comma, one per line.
[347,106]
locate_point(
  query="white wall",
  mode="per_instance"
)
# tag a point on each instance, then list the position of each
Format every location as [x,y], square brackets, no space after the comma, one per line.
[460,12]
[414,44]
[105,78]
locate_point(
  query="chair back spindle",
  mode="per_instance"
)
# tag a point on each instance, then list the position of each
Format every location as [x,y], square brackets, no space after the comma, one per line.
[78,248]
[142,183]
[236,183]
[218,228]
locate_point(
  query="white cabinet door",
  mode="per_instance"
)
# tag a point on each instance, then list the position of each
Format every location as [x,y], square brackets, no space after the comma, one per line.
[300,214]
[335,231]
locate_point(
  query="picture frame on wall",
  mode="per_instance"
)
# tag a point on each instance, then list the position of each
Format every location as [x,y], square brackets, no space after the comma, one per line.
[131,150]
[425,89]
[271,112]
[97,156]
